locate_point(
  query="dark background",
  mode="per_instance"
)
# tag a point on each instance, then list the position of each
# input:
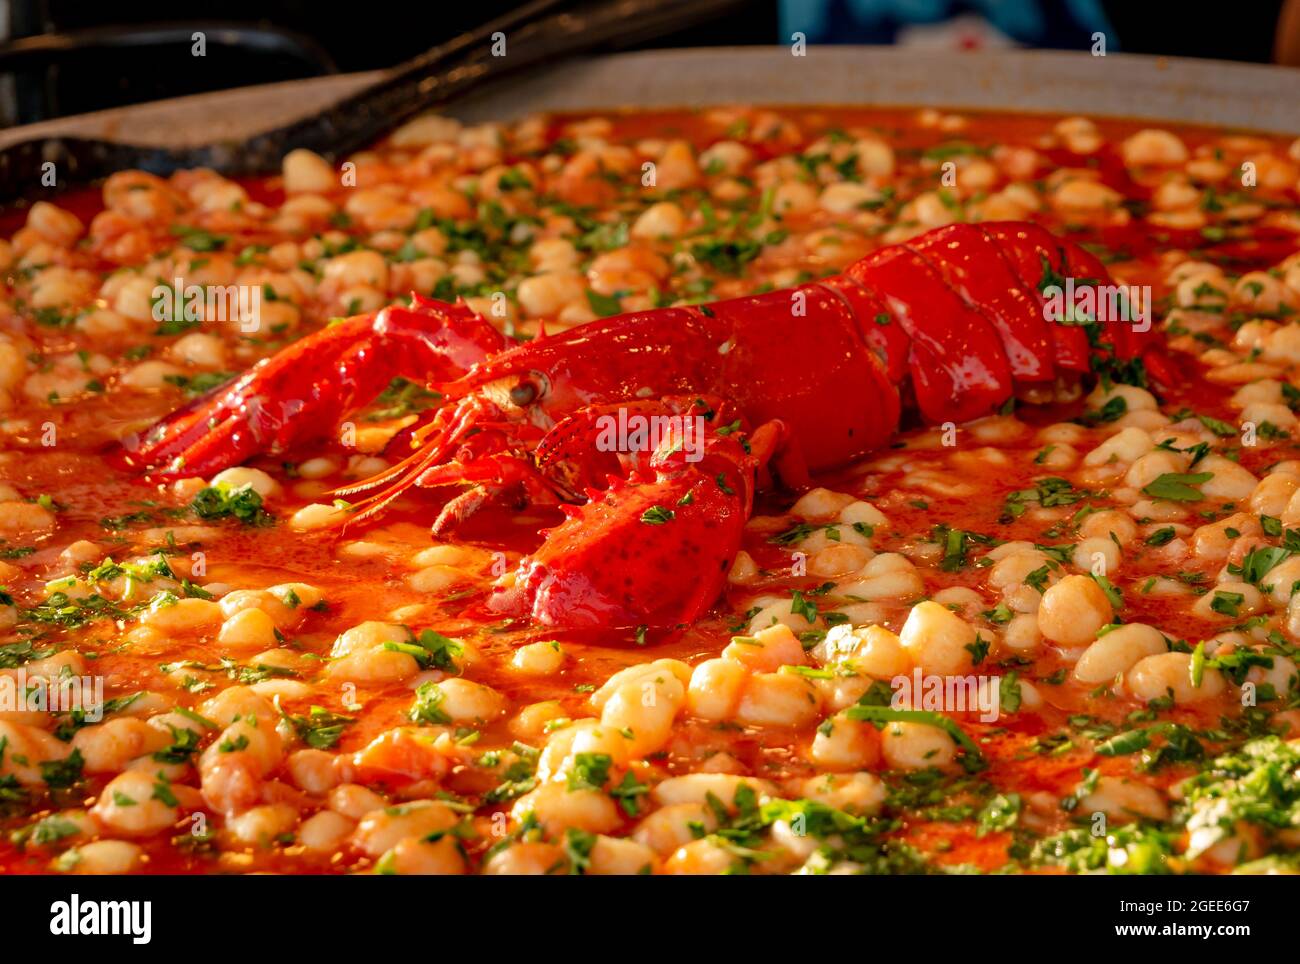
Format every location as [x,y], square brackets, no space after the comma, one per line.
[64,57]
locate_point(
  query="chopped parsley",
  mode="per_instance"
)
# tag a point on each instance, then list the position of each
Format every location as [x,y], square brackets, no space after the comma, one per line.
[224,501]
[1177,486]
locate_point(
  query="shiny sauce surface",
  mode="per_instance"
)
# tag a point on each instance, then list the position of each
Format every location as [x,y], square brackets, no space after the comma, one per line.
[553,212]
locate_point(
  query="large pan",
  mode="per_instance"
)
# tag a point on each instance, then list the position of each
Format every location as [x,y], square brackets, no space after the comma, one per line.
[1238,96]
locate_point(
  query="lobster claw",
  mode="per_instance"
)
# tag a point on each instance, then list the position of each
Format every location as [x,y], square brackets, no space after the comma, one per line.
[301,393]
[650,552]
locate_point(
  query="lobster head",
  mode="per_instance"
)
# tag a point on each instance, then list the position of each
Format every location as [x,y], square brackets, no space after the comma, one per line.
[637,356]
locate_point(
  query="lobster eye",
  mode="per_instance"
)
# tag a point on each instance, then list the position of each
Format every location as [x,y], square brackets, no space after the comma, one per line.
[524,393]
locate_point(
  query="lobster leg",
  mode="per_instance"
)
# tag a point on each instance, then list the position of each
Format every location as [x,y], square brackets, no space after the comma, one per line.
[464,444]
[585,449]
[492,477]
[302,392]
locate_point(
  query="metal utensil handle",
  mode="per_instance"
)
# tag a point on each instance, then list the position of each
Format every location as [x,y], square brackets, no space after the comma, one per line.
[442,74]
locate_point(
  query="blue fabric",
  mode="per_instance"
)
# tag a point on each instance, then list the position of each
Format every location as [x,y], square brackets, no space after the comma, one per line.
[1055,24]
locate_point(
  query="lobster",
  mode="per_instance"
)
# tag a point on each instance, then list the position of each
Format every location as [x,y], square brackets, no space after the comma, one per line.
[785,383]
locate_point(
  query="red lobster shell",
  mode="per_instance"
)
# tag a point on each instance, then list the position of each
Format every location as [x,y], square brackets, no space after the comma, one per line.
[798,381]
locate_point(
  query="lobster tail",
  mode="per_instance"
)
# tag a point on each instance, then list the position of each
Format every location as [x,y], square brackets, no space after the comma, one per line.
[960,317]
[963,312]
